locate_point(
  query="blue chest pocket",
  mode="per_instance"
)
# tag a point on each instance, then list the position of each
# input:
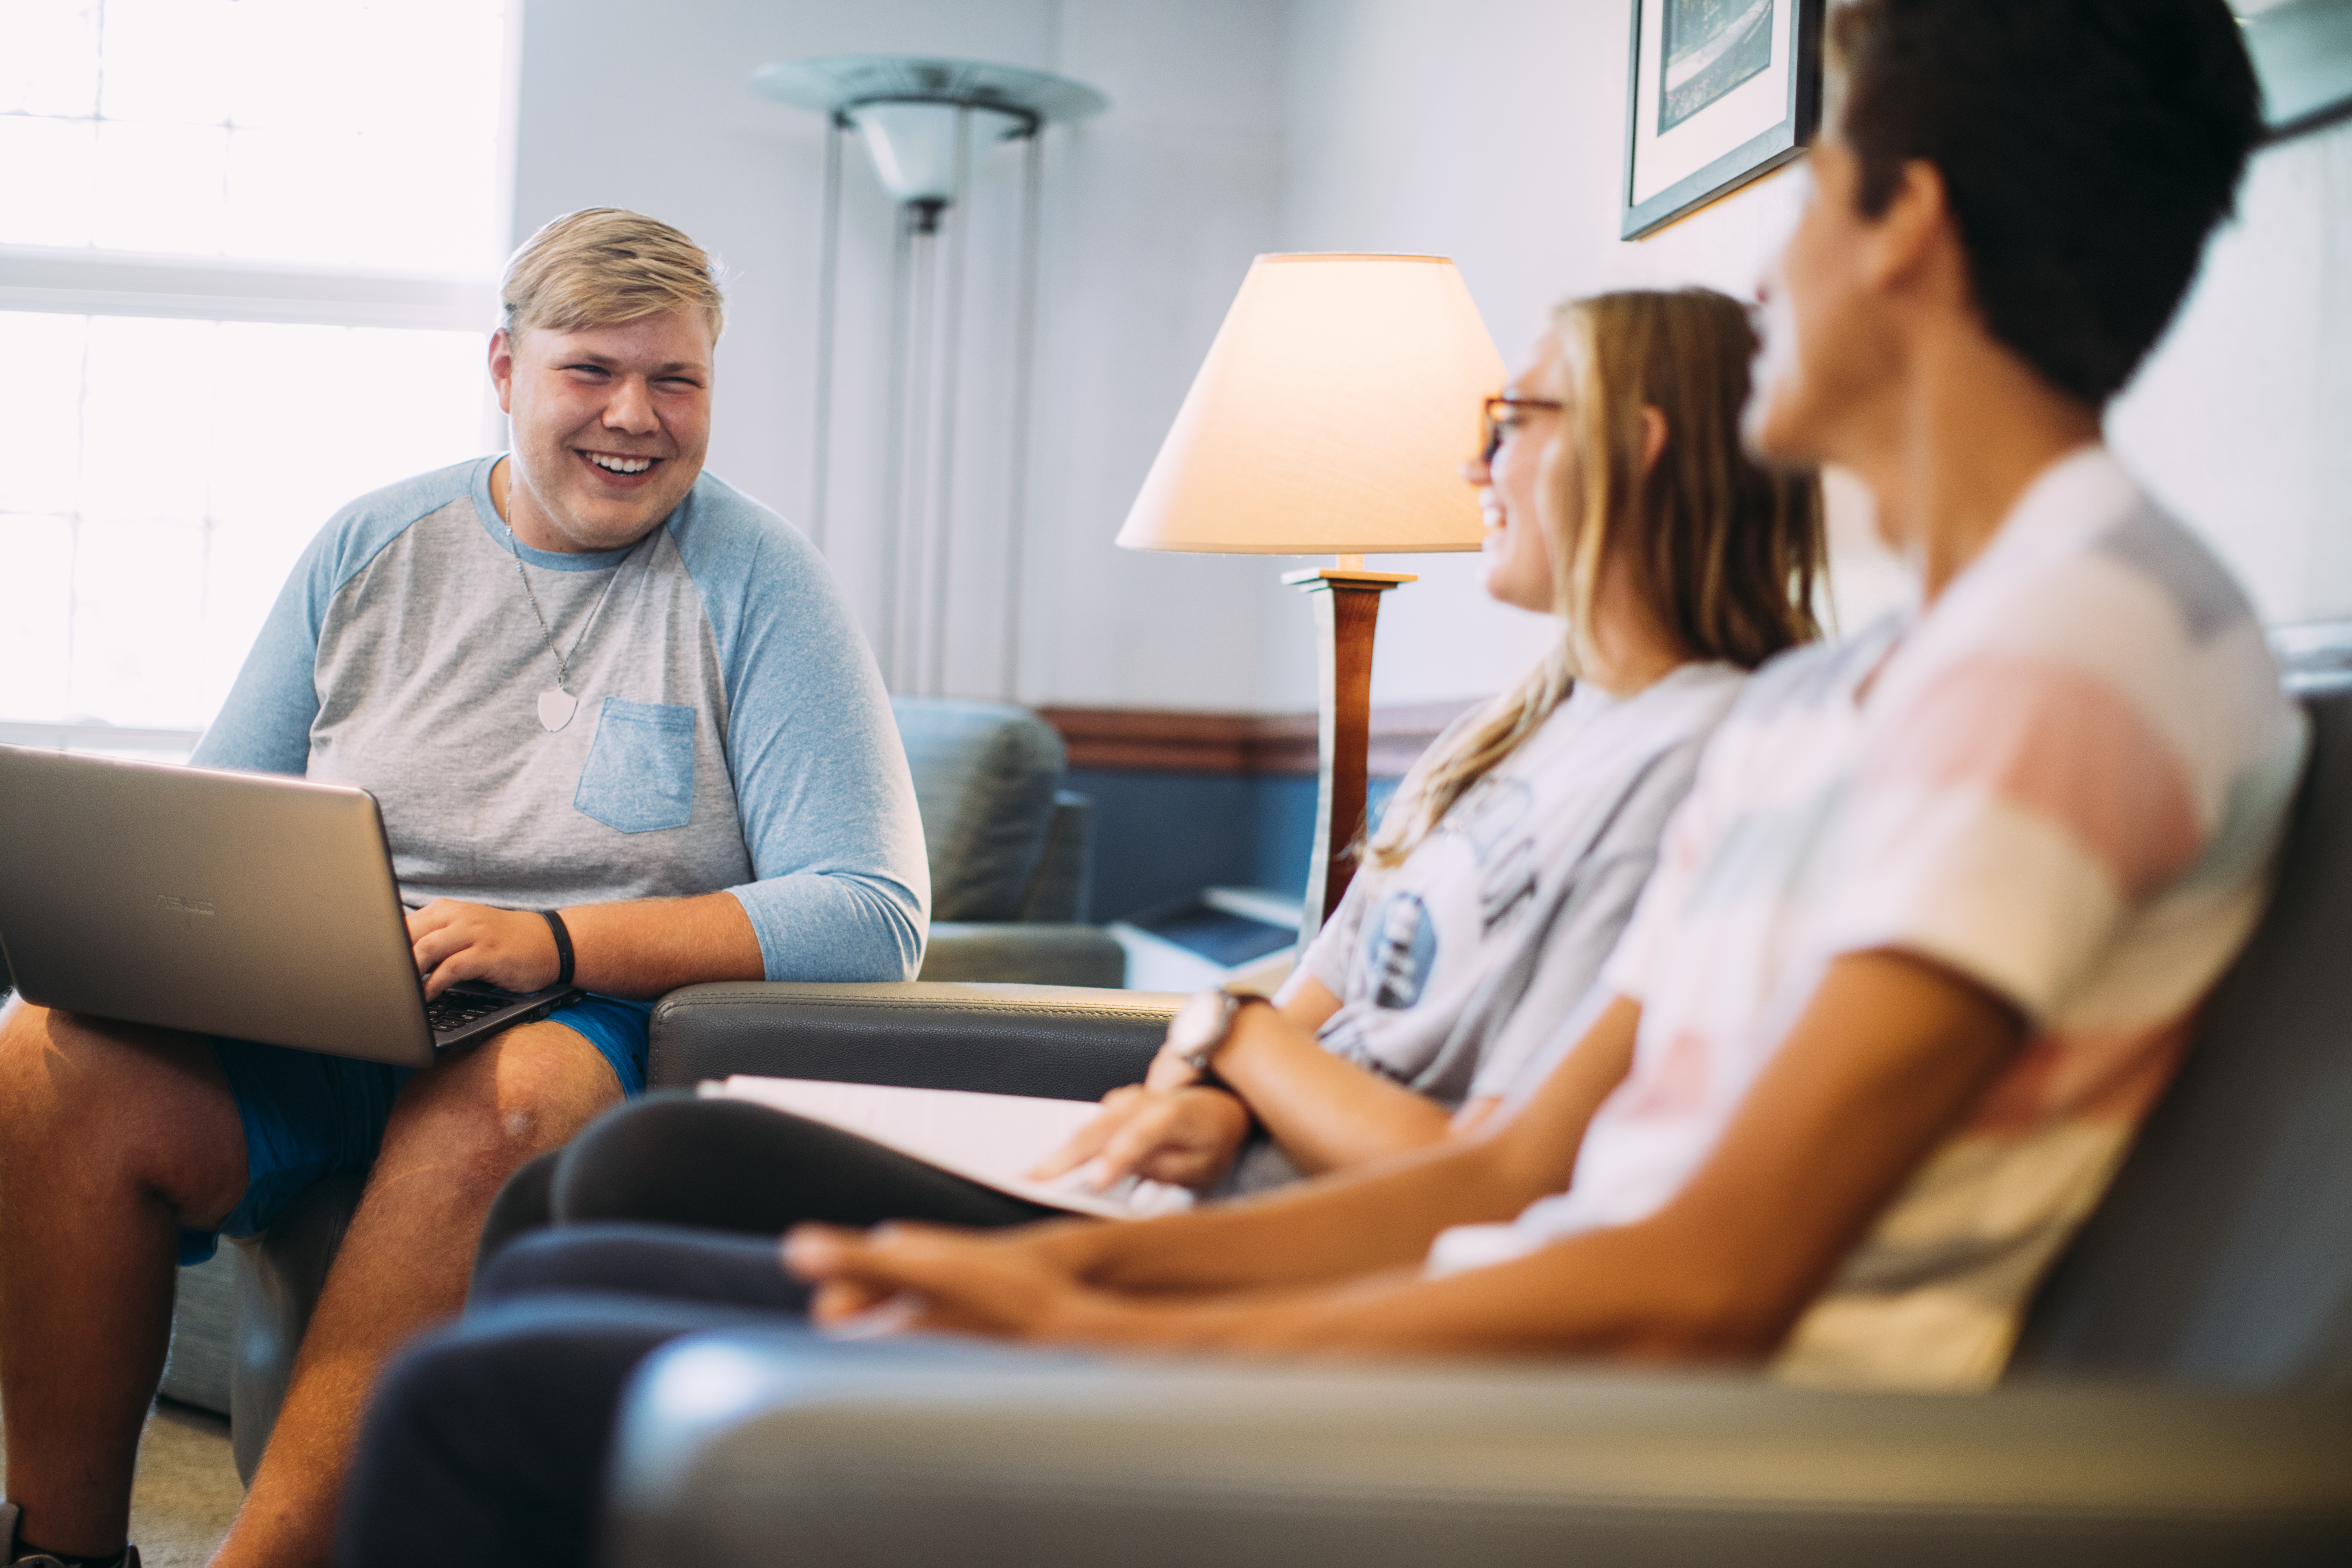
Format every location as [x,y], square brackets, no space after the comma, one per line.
[640,772]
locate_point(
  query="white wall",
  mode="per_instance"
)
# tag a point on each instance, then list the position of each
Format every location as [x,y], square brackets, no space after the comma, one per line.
[1490,130]
[1493,132]
[1152,214]
[2242,421]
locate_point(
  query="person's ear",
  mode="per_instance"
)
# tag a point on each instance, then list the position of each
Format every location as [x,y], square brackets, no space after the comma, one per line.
[1654,437]
[502,368]
[1914,235]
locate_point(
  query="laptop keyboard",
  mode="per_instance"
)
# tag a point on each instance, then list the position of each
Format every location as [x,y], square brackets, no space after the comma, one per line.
[452,1010]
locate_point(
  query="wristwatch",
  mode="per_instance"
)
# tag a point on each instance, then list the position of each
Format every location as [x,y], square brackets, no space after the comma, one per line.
[1203,1025]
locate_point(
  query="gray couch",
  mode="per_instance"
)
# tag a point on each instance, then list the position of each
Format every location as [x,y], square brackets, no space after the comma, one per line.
[1009,852]
[2182,1393]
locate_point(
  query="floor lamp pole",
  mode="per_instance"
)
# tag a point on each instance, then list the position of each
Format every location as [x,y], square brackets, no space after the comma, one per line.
[1347,600]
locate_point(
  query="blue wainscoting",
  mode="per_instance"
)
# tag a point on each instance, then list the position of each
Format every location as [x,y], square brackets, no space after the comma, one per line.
[1164,835]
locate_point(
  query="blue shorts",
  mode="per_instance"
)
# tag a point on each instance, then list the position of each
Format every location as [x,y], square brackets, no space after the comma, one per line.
[308,1115]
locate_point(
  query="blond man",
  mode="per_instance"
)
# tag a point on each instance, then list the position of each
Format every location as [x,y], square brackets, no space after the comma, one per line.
[606,703]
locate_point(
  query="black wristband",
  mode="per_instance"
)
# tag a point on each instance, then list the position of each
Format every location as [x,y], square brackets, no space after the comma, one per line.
[562,946]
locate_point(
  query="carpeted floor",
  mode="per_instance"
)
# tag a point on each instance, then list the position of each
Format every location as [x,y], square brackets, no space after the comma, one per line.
[187,1489]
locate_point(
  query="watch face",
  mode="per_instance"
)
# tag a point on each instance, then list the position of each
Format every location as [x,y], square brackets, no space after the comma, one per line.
[1198,1022]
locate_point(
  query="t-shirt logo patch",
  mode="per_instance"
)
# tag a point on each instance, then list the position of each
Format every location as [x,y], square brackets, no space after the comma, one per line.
[1403,947]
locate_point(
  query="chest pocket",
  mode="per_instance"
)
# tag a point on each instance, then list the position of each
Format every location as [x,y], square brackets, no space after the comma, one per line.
[640,772]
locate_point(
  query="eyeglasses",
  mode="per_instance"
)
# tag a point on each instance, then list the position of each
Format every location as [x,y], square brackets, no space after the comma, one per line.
[1498,417]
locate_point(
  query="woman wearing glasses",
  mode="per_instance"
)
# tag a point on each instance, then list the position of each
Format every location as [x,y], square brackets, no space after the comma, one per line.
[1618,499]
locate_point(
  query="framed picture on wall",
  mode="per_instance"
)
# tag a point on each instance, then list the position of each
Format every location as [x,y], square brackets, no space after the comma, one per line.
[1721,91]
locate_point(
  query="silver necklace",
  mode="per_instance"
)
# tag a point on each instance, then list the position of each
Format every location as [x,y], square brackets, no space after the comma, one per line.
[557,706]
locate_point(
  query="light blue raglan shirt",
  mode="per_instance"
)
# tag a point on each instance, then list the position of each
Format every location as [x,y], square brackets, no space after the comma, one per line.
[732,731]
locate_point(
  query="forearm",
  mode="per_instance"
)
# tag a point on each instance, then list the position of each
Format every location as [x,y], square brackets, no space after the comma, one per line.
[1632,1290]
[648,947]
[1381,1216]
[1346,1225]
[1326,1114]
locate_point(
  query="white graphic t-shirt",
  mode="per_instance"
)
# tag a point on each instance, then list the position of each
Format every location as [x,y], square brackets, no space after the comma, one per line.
[1451,967]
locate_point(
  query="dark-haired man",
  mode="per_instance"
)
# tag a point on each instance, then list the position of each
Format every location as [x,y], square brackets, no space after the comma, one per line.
[1925,940]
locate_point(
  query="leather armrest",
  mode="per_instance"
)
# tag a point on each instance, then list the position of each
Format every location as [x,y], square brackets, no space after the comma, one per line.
[1029,955]
[919,1453]
[1062,1042]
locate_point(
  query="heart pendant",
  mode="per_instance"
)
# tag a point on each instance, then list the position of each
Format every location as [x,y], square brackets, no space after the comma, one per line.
[556,708]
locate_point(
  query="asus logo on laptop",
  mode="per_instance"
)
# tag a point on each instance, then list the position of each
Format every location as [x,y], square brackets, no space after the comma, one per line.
[179,905]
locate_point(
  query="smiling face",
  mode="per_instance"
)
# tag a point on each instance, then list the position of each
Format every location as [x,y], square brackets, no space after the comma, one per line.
[610,425]
[1827,348]
[1517,556]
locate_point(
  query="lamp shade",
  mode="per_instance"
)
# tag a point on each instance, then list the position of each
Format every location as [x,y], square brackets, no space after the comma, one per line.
[1333,416]
[914,145]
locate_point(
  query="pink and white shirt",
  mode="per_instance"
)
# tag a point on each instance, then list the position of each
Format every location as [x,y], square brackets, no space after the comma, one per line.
[2065,781]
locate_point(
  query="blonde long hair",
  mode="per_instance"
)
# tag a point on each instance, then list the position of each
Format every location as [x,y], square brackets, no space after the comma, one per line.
[1722,555]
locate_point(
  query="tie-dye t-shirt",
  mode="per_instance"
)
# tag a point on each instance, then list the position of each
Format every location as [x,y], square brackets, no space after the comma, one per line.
[2066,781]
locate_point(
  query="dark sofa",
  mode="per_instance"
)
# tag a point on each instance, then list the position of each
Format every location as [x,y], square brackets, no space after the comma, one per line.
[2182,1391]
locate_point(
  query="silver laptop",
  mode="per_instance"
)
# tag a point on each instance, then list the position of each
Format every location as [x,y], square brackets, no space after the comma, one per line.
[245,905]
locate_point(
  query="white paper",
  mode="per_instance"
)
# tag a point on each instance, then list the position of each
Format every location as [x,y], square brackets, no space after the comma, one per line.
[992,1138]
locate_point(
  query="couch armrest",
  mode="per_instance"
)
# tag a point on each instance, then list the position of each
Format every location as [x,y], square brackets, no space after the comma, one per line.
[1024,953]
[1063,1042]
[920,1453]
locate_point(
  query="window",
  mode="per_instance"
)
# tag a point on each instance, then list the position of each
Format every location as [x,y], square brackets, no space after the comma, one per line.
[245,258]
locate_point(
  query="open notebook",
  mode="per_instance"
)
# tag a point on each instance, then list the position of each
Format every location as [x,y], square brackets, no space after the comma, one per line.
[992,1138]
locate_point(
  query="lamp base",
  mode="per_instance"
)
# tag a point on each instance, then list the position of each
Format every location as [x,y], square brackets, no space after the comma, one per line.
[1347,612]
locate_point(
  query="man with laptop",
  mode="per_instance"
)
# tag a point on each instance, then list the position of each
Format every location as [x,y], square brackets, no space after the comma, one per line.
[623,735]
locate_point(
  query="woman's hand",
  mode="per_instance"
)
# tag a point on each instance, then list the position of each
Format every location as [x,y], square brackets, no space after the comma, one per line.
[903,1277]
[1186,1136]
[509,948]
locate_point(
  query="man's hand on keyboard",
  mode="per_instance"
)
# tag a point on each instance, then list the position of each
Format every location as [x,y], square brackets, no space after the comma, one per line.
[512,948]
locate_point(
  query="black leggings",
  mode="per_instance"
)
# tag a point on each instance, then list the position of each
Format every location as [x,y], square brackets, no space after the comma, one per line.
[486,1444]
[728,1165]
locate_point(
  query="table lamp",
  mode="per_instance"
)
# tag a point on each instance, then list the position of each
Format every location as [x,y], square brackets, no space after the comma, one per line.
[1333,416]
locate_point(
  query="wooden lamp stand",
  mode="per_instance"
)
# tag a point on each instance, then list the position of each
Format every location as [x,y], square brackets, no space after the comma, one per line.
[1347,610]
[1331,415]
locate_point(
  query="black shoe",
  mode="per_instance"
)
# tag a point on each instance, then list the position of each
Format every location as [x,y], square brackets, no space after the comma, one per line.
[9,1515]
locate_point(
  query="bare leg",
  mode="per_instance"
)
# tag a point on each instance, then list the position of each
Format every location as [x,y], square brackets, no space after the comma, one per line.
[112,1135]
[457,1132]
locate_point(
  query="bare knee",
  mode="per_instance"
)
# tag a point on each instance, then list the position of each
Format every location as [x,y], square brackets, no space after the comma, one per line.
[150,1104]
[515,1097]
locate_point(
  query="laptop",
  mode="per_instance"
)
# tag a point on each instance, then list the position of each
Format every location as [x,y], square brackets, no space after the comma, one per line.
[246,905]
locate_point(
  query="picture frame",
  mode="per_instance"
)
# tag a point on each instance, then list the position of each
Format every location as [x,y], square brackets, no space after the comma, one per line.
[2302,52]
[1716,93]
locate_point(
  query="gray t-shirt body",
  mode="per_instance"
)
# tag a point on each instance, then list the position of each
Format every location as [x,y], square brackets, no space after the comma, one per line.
[732,730]
[1453,967]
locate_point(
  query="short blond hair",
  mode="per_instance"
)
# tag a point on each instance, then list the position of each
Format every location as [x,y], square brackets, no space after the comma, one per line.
[602,266]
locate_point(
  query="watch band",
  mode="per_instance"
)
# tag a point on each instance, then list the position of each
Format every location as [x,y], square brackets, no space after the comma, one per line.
[1201,1056]
[562,946]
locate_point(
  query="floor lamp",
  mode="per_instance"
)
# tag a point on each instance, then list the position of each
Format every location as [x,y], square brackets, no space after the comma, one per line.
[1333,416]
[922,120]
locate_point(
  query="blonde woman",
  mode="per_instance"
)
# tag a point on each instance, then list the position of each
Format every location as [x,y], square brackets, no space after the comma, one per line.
[1619,499]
